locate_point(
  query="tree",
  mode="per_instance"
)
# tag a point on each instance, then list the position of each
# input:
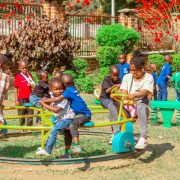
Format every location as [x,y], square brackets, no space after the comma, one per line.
[160,17]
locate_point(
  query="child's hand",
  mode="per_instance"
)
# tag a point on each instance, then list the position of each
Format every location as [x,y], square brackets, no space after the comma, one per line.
[131,96]
[44,99]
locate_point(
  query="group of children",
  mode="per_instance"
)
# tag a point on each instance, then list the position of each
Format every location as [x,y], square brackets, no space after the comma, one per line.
[60,96]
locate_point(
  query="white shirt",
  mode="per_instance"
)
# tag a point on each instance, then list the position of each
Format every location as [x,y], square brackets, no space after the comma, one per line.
[146,82]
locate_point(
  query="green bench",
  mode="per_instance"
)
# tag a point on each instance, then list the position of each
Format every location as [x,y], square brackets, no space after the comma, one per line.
[167,109]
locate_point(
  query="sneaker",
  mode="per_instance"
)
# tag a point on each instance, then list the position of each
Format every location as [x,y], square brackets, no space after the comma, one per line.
[42,152]
[65,156]
[136,138]
[76,149]
[141,144]
[39,148]
[110,140]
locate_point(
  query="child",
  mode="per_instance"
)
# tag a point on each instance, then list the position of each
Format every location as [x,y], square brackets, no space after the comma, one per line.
[23,84]
[153,73]
[176,80]
[58,74]
[108,84]
[163,78]
[123,66]
[63,113]
[40,90]
[4,86]
[78,106]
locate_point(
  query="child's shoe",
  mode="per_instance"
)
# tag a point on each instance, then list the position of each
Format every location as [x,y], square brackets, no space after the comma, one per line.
[76,149]
[65,156]
[110,141]
[39,148]
[141,144]
[42,152]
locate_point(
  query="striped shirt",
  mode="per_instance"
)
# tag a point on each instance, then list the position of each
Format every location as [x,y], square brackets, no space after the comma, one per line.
[4,87]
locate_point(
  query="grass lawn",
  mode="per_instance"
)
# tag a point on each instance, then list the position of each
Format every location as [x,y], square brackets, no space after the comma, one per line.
[160,161]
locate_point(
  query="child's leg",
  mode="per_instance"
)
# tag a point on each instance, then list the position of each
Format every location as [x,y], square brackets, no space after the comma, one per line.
[67,140]
[21,112]
[113,113]
[58,127]
[78,121]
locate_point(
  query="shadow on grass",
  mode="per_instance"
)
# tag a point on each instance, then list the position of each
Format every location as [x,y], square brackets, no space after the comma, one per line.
[157,150]
[16,151]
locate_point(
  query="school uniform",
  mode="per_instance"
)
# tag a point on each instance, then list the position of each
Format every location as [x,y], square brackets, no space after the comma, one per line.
[163,82]
[124,69]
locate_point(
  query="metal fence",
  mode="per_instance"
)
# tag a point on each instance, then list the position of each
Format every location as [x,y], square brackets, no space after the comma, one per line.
[13,16]
[83,29]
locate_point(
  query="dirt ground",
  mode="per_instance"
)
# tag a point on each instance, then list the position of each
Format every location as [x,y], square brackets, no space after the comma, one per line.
[161,160]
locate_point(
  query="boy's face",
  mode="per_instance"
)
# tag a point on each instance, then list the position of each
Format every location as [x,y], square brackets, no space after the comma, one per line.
[114,76]
[122,59]
[45,77]
[57,89]
[23,67]
[4,67]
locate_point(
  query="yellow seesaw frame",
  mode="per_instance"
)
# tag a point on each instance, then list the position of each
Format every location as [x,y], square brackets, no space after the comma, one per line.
[46,123]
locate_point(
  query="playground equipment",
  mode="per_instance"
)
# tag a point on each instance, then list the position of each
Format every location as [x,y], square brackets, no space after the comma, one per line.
[167,109]
[123,141]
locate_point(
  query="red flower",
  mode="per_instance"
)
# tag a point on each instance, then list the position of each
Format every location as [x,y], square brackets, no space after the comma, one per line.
[9,21]
[157,39]
[176,37]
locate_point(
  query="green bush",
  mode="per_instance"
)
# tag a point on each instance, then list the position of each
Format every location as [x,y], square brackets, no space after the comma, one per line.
[107,55]
[117,35]
[99,75]
[176,62]
[84,84]
[157,59]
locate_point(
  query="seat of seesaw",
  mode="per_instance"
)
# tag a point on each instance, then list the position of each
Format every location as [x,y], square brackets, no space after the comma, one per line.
[28,105]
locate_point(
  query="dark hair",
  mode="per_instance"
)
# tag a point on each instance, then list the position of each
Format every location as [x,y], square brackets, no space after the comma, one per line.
[138,62]
[124,54]
[40,74]
[3,59]
[55,80]
[24,60]
[137,53]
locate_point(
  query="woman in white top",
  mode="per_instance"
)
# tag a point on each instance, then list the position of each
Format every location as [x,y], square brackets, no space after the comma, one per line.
[139,86]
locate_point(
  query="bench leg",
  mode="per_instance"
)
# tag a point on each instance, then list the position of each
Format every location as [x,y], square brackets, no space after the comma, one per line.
[167,116]
[178,118]
[154,117]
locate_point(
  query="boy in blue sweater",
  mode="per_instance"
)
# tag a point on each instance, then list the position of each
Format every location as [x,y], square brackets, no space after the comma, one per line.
[163,78]
[123,66]
[79,107]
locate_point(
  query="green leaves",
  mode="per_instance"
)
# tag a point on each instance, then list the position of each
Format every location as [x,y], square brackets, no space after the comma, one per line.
[117,35]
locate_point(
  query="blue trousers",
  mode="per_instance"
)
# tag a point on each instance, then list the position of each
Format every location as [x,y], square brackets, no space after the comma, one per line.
[162,92]
[58,127]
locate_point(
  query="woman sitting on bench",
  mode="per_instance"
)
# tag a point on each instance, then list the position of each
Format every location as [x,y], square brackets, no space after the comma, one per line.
[139,85]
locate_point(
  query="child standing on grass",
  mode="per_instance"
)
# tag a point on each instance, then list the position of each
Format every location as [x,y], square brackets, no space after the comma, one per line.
[4,84]
[176,80]
[78,106]
[163,79]
[153,69]
[23,87]
[123,66]
[108,84]
[63,113]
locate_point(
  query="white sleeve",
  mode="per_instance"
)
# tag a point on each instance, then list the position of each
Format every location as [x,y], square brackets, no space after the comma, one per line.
[149,83]
[63,103]
[124,84]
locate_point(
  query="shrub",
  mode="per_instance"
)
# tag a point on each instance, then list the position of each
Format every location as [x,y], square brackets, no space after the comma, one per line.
[157,59]
[117,35]
[176,62]
[81,67]
[107,55]
[84,84]
[99,75]
[46,43]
